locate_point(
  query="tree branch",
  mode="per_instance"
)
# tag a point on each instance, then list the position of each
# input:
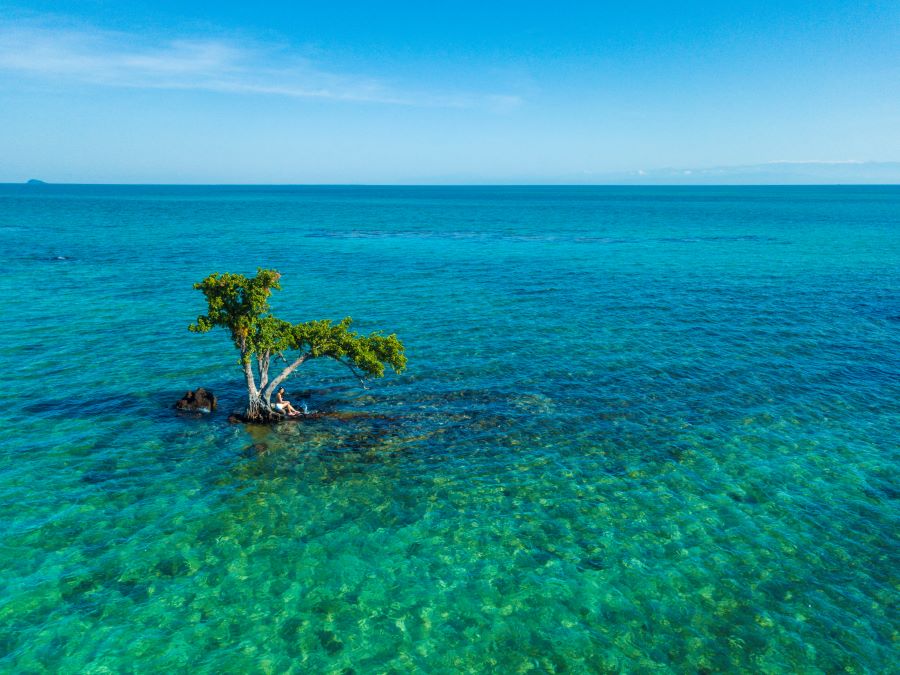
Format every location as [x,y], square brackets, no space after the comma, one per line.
[359,377]
[299,361]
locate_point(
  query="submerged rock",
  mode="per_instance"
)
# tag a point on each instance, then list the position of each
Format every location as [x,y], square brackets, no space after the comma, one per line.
[200,400]
[271,417]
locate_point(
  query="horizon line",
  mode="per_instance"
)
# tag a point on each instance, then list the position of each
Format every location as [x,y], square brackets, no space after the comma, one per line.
[42,183]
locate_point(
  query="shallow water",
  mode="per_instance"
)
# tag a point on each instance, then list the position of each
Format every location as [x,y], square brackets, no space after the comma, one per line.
[642,429]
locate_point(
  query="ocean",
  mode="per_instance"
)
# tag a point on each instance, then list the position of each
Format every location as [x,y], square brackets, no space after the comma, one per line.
[642,429]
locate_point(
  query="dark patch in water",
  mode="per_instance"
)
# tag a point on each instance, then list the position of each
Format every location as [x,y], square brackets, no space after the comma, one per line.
[255,449]
[885,492]
[594,563]
[605,240]
[742,497]
[75,407]
[135,590]
[536,291]
[172,567]
[330,642]
[102,471]
[307,393]
[95,477]
[71,592]
[291,627]
[37,257]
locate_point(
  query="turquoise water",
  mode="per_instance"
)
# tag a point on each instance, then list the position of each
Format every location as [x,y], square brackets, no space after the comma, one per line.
[642,429]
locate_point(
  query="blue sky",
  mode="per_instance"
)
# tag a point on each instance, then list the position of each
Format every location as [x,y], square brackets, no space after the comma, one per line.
[461,92]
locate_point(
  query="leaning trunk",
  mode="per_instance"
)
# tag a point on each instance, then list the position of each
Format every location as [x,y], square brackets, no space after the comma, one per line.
[282,376]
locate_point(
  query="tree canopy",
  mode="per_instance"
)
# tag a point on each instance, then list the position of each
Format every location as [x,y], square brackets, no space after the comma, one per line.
[241,306]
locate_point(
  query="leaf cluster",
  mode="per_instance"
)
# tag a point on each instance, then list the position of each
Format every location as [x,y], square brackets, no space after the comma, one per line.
[369,353]
[241,305]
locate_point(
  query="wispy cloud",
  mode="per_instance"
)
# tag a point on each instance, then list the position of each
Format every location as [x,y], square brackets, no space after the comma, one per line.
[89,55]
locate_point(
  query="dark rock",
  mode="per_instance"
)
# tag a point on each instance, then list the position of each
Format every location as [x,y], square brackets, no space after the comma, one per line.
[200,400]
[277,418]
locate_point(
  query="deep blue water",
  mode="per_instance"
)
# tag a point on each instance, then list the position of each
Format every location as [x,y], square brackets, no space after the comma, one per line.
[642,429]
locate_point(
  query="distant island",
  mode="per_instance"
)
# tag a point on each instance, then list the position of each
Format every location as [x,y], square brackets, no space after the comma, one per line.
[35,181]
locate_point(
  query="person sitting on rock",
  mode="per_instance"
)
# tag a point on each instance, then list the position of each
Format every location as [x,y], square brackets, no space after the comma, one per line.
[282,405]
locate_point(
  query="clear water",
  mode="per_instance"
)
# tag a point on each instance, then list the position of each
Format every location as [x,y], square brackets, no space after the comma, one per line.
[642,429]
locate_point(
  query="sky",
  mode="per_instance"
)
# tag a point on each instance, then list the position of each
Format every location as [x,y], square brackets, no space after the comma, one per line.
[158,91]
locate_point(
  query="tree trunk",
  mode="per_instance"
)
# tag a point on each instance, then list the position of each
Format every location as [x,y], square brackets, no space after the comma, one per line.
[257,410]
[259,400]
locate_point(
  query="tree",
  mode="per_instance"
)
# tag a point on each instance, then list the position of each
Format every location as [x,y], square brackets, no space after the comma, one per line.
[241,306]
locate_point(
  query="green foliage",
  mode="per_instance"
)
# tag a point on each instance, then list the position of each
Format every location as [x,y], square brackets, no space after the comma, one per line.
[241,306]
[368,353]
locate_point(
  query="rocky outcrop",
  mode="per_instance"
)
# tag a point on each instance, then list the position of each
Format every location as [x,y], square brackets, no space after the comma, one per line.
[274,417]
[199,400]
